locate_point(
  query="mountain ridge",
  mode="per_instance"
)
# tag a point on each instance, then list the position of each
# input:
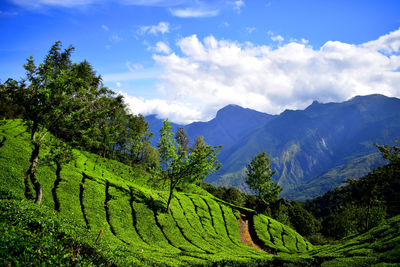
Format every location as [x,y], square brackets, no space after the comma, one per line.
[304,145]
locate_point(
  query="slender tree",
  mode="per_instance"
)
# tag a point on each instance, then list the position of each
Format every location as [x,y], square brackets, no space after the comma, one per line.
[258,176]
[182,139]
[178,166]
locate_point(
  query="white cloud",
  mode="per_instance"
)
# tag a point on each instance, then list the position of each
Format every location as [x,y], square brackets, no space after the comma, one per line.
[74,3]
[115,38]
[388,43]
[237,5]
[194,12]
[224,25]
[174,111]
[158,3]
[277,38]
[118,84]
[212,73]
[161,27]
[250,30]
[162,47]
[63,3]
[104,27]
[133,67]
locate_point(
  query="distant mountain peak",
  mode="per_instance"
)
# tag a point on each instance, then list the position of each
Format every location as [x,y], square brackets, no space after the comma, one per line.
[228,110]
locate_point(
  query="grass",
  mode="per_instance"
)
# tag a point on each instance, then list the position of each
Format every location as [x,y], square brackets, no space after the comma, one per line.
[110,215]
[380,245]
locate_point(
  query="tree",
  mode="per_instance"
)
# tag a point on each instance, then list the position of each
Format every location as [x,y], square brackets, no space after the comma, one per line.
[179,167]
[390,153]
[258,177]
[8,109]
[182,140]
[58,97]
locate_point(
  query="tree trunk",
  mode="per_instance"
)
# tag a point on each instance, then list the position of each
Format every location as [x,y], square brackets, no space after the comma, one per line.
[171,191]
[368,215]
[55,186]
[32,170]
[33,131]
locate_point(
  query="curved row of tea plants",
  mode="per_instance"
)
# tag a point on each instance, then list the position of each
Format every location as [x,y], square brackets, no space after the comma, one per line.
[113,217]
[116,205]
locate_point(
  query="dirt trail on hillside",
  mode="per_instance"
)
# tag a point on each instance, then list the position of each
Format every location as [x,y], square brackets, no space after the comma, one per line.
[245,236]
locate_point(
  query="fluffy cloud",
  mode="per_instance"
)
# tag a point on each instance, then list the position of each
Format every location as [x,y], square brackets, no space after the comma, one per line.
[63,3]
[194,12]
[237,5]
[74,3]
[161,27]
[209,74]
[162,47]
[174,111]
[158,3]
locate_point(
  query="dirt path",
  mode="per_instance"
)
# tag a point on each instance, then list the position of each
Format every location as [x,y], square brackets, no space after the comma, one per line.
[245,236]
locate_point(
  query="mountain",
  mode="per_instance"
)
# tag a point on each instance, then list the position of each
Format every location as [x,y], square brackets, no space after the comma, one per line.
[229,125]
[311,148]
[155,126]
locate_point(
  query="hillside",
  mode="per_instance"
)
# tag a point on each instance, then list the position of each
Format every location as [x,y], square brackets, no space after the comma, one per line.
[379,246]
[109,215]
[313,149]
[113,200]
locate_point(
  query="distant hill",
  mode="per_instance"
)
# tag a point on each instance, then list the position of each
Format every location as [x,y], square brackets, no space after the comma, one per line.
[155,125]
[313,150]
[314,147]
[229,125]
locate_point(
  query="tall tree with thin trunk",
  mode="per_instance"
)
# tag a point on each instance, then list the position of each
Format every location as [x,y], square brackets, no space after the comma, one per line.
[258,176]
[178,166]
[182,139]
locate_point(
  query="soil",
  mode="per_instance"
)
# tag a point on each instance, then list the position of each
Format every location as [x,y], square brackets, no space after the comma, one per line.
[245,236]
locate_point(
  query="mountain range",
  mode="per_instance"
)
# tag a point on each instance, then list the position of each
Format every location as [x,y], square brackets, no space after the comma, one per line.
[313,150]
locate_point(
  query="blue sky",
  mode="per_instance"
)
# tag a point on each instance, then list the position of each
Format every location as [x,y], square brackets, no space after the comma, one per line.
[187,59]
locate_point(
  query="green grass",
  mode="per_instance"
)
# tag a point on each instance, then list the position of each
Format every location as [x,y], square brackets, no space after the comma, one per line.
[98,195]
[380,245]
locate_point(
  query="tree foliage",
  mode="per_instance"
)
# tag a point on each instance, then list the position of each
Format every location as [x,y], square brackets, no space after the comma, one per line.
[179,167]
[361,204]
[258,176]
[69,101]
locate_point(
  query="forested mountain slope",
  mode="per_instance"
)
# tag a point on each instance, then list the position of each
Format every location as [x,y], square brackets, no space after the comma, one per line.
[314,149]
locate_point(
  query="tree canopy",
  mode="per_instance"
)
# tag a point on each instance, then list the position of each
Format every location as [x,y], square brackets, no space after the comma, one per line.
[69,101]
[258,176]
[177,166]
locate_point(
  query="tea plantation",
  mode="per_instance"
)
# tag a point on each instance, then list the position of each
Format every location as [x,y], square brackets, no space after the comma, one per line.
[105,213]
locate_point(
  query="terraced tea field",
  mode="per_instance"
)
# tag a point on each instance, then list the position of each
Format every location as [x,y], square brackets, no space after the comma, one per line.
[114,201]
[117,208]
